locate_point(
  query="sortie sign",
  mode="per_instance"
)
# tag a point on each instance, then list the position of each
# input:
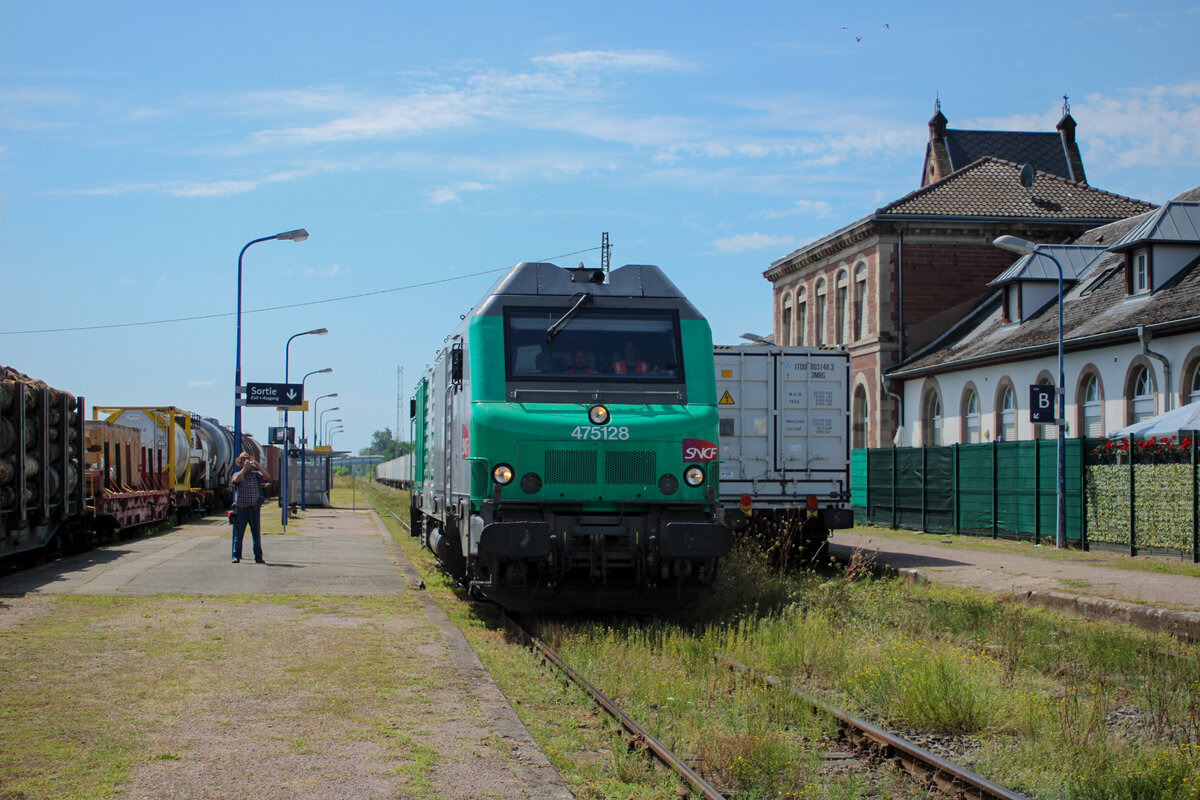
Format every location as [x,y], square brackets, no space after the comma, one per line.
[274,394]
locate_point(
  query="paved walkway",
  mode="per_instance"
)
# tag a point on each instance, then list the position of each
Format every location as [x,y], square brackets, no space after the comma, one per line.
[1085,583]
[327,552]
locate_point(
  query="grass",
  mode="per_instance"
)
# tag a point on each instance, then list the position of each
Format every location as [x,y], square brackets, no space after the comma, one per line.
[92,688]
[1109,558]
[1019,691]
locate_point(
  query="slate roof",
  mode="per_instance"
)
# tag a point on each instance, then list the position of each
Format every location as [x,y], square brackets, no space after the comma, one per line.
[1094,306]
[1045,151]
[990,188]
[1075,261]
[1177,222]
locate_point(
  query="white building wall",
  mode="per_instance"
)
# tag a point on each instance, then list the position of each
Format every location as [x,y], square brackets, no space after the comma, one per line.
[1113,364]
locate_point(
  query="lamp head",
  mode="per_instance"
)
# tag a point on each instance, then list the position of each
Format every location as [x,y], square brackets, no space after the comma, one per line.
[1014,244]
[316,332]
[325,371]
[754,337]
[298,235]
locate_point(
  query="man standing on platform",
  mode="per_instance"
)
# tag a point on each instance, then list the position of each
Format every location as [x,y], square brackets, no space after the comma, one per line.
[247,502]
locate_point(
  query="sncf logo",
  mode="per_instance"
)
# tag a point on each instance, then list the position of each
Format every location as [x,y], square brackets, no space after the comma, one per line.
[699,450]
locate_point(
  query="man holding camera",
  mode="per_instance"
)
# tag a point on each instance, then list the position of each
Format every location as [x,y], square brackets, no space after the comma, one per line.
[247,501]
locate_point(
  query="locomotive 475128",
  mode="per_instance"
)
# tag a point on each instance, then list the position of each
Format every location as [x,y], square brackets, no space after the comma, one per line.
[566,444]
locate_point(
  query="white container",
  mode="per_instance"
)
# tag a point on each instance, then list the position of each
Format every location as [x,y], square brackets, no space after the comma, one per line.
[785,428]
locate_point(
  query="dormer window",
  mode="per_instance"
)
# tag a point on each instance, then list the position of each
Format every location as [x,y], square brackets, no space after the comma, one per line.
[1012,303]
[1141,273]
[1138,279]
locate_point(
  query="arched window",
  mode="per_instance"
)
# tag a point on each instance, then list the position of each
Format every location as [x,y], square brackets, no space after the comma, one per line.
[785,320]
[931,418]
[970,415]
[1093,408]
[820,320]
[860,301]
[841,298]
[1194,395]
[1142,402]
[1008,415]
[859,419]
[801,316]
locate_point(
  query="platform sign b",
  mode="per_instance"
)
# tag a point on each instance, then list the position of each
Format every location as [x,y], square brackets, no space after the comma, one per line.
[1041,404]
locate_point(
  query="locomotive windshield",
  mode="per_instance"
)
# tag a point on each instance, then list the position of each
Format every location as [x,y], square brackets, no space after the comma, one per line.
[593,344]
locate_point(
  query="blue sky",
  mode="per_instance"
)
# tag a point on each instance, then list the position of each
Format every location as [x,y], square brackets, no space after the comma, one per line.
[142,144]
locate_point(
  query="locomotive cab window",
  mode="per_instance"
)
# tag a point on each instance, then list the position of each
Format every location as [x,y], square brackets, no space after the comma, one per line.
[593,345]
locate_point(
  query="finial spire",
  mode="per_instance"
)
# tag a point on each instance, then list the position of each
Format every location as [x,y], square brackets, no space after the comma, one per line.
[1066,105]
[937,103]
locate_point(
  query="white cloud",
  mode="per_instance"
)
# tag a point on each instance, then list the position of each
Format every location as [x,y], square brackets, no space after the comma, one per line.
[201,384]
[451,194]
[332,272]
[803,208]
[1142,126]
[641,60]
[750,241]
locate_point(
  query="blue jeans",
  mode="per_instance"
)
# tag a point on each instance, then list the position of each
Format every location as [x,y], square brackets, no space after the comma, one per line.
[243,516]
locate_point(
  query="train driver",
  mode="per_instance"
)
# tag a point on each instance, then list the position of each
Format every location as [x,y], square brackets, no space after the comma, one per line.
[581,363]
[630,363]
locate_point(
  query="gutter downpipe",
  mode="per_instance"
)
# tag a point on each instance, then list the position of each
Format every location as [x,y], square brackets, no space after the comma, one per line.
[1169,393]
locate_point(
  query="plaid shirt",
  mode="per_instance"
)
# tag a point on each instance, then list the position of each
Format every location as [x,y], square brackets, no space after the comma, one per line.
[248,491]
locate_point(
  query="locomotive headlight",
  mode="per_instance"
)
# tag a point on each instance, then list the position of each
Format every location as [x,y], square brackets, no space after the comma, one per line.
[693,475]
[502,474]
[598,415]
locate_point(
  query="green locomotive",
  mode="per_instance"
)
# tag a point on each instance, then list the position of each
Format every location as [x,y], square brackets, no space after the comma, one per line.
[566,452]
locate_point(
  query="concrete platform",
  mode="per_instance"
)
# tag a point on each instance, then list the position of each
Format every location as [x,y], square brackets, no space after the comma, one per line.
[327,552]
[1089,584]
[330,551]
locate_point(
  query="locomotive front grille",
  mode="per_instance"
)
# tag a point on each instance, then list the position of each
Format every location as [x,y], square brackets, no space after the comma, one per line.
[630,467]
[570,466]
[479,478]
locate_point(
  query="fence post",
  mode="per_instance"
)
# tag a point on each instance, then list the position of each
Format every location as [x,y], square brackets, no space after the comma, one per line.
[894,523]
[1083,495]
[1195,503]
[924,486]
[954,522]
[995,495]
[1037,492]
[1132,501]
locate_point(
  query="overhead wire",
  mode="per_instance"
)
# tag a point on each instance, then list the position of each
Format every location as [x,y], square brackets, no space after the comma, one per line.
[144,323]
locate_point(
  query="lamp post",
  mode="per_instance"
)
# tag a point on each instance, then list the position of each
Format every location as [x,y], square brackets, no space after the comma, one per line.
[331,433]
[316,426]
[298,235]
[1024,247]
[304,441]
[285,488]
[328,423]
[321,423]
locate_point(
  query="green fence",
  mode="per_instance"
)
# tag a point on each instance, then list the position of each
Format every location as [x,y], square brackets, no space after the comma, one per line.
[1129,494]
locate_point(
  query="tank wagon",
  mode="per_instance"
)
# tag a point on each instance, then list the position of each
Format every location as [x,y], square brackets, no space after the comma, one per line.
[566,452]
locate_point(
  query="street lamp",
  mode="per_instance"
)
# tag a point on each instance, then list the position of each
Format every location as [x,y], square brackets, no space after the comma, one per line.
[322,423]
[298,235]
[285,487]
[316,426]
[328,423]
[329,438]
[1026,248]
[304,441]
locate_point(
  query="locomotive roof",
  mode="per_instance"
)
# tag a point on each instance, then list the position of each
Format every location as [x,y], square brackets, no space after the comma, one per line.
[631,280]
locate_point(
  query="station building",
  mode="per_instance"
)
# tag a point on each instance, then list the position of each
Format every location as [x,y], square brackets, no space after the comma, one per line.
[888,285]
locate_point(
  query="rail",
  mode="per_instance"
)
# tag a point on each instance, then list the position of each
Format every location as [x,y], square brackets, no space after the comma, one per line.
[640,734]
[925,767]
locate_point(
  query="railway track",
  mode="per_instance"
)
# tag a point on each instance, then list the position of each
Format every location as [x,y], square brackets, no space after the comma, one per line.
[924,767]
[876,744]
